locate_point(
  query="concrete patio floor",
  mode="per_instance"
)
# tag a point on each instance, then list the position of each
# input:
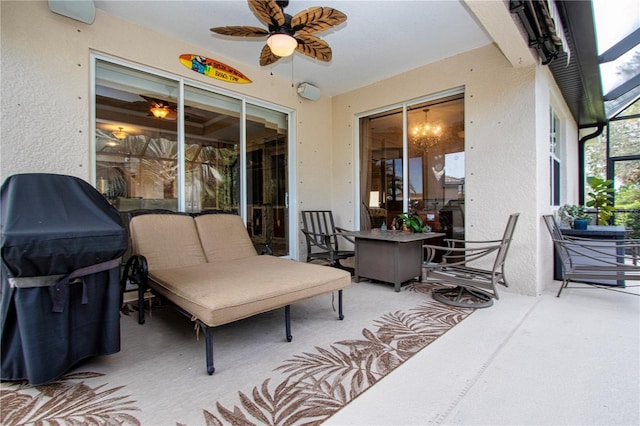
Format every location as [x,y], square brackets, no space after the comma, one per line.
[573,360]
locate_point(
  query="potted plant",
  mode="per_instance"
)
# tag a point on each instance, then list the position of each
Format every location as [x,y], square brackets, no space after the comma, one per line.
[575,215]
[601,198]
[410,222]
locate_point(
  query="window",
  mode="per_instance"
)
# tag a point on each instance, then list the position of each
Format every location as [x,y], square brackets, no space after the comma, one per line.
[412,159]
[554,158]
[165,143]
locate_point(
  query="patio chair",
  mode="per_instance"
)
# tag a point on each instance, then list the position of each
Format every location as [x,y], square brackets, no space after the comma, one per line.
[322,238]
[469,285]
[596,262]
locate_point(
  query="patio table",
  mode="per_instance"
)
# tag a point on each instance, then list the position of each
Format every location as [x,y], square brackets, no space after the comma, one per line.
[389,256]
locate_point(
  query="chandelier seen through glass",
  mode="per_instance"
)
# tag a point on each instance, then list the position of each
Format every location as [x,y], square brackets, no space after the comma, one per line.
[425,135]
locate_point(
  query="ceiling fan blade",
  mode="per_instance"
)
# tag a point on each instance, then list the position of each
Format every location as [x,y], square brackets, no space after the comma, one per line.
[313,47]
[316,19]
[241,31]
[267,57]
[268,12]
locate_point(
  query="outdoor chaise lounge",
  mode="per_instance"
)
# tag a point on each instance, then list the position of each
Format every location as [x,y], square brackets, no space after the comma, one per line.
[207,266]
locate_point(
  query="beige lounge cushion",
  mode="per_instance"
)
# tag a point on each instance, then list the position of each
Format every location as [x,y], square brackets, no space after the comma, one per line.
[224,237]
[222,292]
[166,240]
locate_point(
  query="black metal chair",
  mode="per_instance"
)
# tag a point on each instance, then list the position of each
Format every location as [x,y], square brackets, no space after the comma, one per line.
[322,238]
[596,262]
[472,286]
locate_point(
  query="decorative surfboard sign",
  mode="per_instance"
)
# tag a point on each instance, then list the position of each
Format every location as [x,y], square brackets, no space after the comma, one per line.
[214,69]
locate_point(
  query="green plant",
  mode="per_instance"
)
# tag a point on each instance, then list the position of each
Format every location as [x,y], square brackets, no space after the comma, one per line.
[411,220]
[601,198]
[628,198]
[631,221]
[570,212]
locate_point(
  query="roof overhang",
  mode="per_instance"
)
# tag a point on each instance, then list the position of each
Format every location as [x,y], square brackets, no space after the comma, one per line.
[572,61]
[580,81]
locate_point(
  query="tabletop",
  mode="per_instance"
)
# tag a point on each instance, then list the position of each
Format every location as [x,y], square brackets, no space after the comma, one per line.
[394,236]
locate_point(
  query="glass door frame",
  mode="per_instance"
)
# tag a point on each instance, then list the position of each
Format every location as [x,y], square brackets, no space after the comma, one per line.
[405,106]
[291,198]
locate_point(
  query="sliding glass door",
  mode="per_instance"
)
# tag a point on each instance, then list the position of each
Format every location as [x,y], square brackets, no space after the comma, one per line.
[136,155]
[267,177]
[163,143]
[412,159]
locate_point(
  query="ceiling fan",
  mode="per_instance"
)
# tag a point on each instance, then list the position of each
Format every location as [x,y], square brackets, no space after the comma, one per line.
[292,31]
[161,109]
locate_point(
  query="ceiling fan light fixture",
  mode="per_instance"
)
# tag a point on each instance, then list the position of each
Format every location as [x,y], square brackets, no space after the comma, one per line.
[282,44]
[285,32]
[159,111]
[120,134]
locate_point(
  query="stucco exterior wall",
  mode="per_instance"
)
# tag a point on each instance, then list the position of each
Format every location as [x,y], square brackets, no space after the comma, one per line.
[506,160]
[548,95]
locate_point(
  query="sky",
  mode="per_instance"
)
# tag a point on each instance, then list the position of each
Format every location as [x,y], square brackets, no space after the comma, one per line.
[615,19]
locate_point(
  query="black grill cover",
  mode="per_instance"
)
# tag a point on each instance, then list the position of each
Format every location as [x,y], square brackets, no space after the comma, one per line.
[53,225]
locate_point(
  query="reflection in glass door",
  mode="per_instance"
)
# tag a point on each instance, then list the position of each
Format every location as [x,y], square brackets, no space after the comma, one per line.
[267,178]
[430,180]
[381,168]
[157,150]
[435,146]
[212,148]
[136,150]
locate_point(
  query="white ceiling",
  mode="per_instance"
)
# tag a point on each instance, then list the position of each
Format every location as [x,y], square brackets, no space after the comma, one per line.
[380,39]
